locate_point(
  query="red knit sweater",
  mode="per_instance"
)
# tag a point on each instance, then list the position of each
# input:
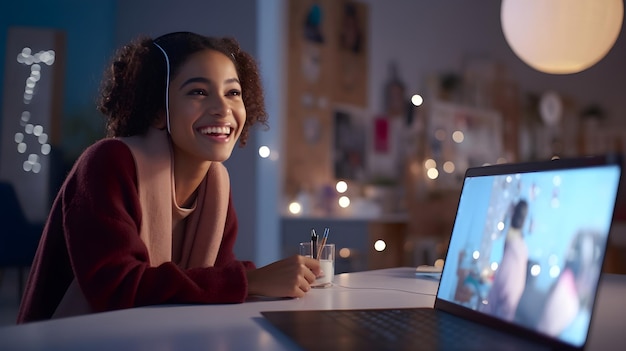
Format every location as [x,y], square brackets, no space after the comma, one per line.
[92,234]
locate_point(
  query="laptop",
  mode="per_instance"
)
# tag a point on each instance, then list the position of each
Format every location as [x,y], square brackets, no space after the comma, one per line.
[521,271]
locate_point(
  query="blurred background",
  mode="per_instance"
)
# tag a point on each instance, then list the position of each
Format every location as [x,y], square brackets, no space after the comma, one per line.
[376,110]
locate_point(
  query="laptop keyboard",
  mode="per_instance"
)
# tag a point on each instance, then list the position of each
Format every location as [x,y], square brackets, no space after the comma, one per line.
[423,328]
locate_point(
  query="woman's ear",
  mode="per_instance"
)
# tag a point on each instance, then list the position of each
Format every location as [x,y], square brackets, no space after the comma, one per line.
[160,122]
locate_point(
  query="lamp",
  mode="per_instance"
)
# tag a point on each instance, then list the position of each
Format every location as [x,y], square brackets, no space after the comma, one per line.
[561,36]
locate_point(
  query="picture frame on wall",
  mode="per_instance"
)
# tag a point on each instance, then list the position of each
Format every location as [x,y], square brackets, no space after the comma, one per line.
[349,144]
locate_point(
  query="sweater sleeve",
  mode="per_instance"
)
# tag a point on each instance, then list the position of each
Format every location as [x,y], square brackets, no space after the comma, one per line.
[102,220]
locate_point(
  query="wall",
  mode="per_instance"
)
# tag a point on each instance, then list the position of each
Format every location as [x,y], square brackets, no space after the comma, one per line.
[430,38]
[441,36]
[271,55]
[437,36]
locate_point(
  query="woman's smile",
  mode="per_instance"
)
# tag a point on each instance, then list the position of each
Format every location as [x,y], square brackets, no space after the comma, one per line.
[216,133]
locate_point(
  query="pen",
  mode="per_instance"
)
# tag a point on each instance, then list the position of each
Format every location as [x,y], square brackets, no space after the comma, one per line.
[321,247]
[313,243]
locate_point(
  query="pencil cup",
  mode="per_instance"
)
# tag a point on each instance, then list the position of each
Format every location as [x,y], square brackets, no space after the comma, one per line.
[326,255]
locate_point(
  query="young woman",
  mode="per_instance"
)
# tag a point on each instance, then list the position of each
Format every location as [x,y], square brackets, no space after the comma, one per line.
[145,216]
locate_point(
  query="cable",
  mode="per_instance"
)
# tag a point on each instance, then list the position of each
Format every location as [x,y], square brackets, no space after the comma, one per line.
[167,87]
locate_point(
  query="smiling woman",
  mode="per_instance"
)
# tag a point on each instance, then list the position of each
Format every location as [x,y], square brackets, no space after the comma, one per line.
[205,105]
[145,216]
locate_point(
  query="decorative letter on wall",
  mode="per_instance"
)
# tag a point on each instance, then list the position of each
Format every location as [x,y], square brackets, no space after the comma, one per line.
[32,101]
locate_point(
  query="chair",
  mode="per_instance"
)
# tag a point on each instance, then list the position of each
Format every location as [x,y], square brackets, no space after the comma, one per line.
[18,237]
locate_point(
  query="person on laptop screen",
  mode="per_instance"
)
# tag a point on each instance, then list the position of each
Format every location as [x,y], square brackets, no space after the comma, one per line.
[510,278]
[569,300]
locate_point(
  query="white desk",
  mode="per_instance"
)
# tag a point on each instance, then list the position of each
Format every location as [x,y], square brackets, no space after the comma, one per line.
[241,327]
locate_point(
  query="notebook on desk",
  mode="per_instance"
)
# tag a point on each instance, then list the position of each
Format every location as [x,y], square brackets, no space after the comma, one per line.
[522,268]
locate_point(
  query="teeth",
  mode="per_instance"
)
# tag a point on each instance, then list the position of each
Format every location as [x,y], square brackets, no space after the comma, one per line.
[216,130]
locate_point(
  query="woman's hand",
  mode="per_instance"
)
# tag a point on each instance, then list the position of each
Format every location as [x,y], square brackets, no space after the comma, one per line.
[290,277]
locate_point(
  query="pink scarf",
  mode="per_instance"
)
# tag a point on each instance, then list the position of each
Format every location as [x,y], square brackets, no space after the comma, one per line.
[205,226]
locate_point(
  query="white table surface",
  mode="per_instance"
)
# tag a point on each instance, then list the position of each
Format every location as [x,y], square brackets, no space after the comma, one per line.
[241,327]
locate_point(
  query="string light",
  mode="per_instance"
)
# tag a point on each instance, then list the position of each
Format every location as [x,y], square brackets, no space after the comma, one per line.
[32,163]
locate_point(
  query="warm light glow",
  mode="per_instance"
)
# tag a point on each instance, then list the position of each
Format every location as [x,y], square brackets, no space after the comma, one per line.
[344,202]
[561,36]
[380,245]
[417,100]
[432,173]
[295,208]
[344,252]
[430,163]
[439,263]
[458,136]
[264,151]
[440,134]
[341,187]
[448,167]
[415,168]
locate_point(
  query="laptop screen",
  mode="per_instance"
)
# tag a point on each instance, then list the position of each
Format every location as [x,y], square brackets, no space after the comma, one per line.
[528,246]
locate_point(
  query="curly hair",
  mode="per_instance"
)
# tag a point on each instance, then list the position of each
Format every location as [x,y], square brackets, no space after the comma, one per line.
[132,94]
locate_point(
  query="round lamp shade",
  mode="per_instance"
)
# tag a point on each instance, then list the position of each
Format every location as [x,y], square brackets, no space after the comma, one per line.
[561,36]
